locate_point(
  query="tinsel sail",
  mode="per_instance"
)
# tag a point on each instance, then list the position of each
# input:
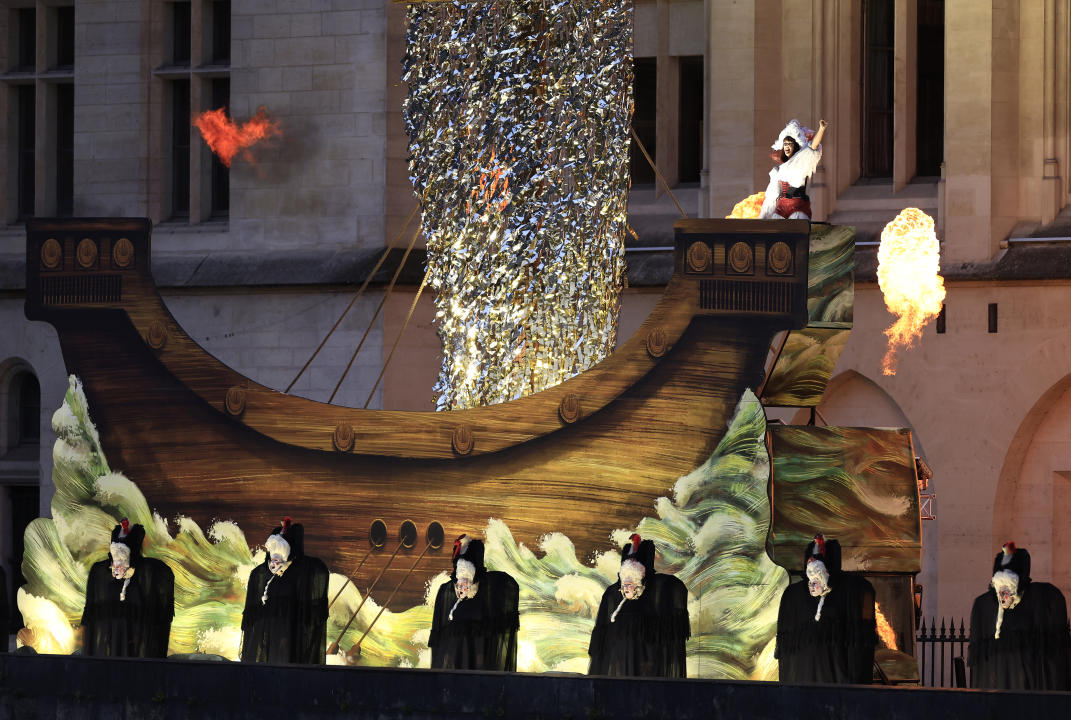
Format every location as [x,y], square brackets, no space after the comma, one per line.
[518,116]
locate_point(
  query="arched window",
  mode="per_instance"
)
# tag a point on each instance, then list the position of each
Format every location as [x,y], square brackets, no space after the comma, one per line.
[28,410]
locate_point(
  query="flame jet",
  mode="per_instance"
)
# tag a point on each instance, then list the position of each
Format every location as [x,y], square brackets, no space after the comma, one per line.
[749,208]
[909,260]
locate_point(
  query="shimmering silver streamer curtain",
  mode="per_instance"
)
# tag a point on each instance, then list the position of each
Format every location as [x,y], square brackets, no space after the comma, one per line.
[518,116]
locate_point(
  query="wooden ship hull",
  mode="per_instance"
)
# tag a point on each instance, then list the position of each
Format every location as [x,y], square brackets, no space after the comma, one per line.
[586,457]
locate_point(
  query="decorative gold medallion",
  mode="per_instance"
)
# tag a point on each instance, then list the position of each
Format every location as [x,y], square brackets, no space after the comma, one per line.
[656,342]
[86,253]
[235,400]
[157,335]
[741,258]
[699,257]
[462,440]
[569,408]
[779,258]
[51,254]
[343,437]
[123,253]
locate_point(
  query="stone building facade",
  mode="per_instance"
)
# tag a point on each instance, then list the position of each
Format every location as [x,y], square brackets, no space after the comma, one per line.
[956,106]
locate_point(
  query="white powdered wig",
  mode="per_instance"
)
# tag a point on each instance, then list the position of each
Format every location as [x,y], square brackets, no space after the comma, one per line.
[631,570]
[277,545]
[465,570]
[818,580]
[817,570]
[1005,580]
[466,573]
[120,554]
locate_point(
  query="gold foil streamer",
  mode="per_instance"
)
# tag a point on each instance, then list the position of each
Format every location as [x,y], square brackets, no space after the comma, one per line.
[518,117]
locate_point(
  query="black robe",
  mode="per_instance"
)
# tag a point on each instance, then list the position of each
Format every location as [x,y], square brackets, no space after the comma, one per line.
[292,626]
[140,625]
[837,648]
[1032,650]
[647,637]
[483,633]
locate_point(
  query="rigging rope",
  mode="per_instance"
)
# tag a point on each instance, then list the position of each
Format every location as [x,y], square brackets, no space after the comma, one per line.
[657,173]
[412,307]
[356,297]
[386,295]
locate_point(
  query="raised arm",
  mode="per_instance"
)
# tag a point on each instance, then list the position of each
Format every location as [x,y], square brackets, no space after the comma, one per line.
[817,140]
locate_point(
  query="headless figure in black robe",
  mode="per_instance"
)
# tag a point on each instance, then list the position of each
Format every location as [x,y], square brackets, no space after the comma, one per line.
[645,636]
[1034,644]
[136,623]
[480,632]
[290,625]
[838,647]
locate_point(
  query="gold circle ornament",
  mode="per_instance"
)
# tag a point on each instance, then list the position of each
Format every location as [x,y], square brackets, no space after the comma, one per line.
[157,335]
[656,342]
[123,253]
[235,400]
[343,437]
[569,408]
[87,253]
[780,258]
[462,440]
[741,258]
[699,257]
[51,254]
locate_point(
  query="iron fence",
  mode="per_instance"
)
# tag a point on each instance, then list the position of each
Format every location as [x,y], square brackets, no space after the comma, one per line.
[942,654]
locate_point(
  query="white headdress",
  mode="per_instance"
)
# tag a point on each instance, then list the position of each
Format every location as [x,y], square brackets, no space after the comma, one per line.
[797,132]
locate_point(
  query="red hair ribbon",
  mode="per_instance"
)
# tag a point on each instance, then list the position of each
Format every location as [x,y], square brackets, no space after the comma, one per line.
[820,544]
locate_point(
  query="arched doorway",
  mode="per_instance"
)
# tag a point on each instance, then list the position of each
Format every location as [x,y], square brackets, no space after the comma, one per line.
[20,471]
[1032,506]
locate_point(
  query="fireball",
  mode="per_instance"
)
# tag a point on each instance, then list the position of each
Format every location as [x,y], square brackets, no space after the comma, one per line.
[909,261]
[225,137]
[885,632]
[748,208]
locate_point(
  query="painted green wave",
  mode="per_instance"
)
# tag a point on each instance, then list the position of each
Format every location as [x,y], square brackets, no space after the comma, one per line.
[804,367]
[710,531]
[830,274]
[830,477]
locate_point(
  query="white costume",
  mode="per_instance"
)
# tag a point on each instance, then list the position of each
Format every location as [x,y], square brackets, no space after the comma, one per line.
[788,180]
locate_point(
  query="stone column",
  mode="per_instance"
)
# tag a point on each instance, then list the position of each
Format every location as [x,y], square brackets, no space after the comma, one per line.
[905,91]
[1006,137]
[968,130]
[667,119]
[731,123]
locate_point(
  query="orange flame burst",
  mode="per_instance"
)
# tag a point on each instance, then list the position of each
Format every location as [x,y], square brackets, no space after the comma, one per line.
[885,632]
[749,208]
[225,137]
[909,260]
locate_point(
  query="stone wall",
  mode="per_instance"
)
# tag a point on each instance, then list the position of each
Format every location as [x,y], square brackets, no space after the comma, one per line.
[268,335]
